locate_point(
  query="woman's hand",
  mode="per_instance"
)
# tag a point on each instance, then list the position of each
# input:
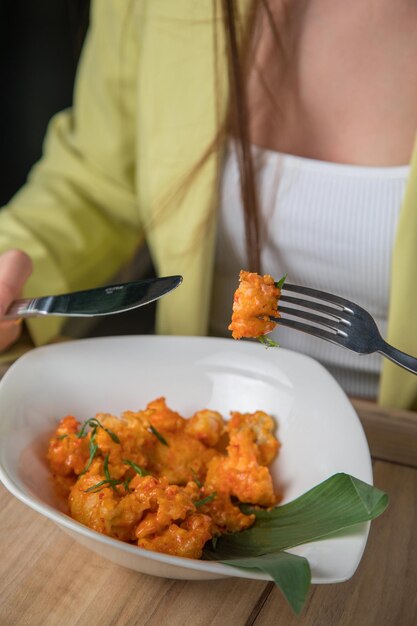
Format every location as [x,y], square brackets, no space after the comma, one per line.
[15,269]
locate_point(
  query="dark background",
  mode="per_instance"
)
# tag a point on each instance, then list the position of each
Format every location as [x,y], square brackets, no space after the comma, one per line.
[40,45]
[40,42]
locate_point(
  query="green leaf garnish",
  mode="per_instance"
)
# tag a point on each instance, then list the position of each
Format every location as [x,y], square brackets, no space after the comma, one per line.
[281,281]
[139,470]
[267,342]
[62,437]
[291,573]
[336,504]
[158,435]
[208,498]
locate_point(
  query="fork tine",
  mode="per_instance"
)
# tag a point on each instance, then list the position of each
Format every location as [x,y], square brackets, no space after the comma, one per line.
[315,306]
[312,317]
[335,337]
[320,295]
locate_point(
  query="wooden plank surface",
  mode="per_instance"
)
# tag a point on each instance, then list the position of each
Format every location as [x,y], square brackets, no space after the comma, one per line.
[391,433]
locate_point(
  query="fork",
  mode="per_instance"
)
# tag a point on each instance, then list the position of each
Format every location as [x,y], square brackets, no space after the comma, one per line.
[349,324]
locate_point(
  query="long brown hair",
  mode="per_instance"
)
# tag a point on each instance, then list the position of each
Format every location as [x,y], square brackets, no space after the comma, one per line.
[239,123]
[277,18]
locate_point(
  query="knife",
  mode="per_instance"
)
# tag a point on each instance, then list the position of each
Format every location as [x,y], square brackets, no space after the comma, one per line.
[99,301]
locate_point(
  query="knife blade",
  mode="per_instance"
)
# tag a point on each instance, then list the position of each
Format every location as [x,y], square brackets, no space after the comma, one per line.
[106,300]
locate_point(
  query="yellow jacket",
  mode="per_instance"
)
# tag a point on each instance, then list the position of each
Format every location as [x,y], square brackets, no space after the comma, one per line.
[150,97]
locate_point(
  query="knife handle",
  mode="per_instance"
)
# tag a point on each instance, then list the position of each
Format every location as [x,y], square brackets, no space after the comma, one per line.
[25,307]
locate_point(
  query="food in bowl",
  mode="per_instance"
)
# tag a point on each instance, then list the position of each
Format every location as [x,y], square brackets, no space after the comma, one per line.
[164,482]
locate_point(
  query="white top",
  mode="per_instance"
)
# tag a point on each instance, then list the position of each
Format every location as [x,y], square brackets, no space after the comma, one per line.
[328,226]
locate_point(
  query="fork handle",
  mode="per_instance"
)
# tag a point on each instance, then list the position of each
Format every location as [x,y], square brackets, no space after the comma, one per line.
[400,358]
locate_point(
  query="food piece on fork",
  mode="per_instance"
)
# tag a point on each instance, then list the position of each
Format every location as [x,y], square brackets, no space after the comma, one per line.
[254,303]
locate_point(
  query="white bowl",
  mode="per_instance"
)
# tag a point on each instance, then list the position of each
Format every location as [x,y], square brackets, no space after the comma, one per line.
[317,425]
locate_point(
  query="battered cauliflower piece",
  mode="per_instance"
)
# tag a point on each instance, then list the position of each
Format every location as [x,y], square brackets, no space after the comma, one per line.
[226,516]
[163,418]
[243,473]
[206,426]
[132,441]
[67,454]
[253,432]
[255,302]
[184,454]
[186,540]
[168,503]
[93,508]
[183,459]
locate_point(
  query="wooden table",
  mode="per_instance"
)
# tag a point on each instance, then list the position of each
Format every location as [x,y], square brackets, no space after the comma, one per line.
[48,579]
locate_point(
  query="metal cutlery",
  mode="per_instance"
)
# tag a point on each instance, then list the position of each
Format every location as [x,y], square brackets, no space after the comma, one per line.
[337,320]
[106,300]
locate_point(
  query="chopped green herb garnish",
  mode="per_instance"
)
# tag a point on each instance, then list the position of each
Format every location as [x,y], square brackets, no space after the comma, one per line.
[139,470]
[93,451]
[61,437]
[267,342]
[208,498]
[104,483]
[106,467]
[94,424]
[113,435]
[111,481]
[158,435]
[126,483]
[196,479]
[281,282]
[108,481]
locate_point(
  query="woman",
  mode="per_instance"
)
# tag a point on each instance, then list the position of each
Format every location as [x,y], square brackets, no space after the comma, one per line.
[169,97]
